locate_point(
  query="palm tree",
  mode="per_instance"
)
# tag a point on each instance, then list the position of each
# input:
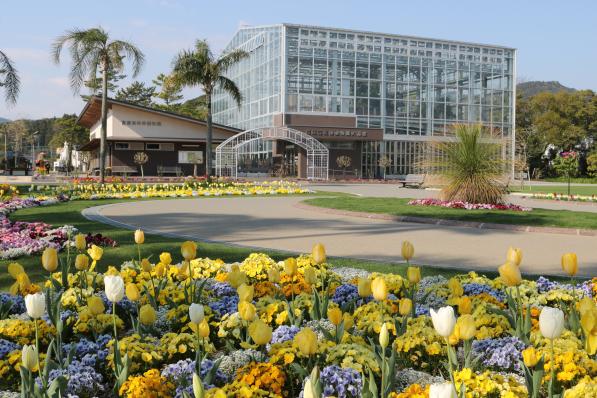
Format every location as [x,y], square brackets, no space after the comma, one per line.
[9,79]
[199,67]
[91,52]
[472,165]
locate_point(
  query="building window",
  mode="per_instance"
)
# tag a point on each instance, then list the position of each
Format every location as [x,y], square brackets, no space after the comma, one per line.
[152,146]
[122,146]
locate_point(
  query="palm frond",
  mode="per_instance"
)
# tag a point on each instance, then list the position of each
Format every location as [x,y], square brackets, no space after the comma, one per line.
[11,82]
[231,58]
[133,53]
[231,88]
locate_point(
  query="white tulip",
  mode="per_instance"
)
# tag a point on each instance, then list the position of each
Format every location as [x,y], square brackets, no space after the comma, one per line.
[114,286]
[196,313]
[36,305]
[442,390]
[308,391]
[551,322]
[29,357]
[443,320]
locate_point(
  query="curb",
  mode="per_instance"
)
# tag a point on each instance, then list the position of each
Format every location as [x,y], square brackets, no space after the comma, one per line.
[450,223]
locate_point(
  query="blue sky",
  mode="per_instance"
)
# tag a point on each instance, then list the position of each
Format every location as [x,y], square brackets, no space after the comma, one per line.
[556,40]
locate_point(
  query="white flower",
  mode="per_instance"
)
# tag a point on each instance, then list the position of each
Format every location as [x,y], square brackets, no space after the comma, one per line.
[443,320]
[442,390]
[36,305]
[196,313]
[29,357]
[308,390]
[551,322]
[114,286]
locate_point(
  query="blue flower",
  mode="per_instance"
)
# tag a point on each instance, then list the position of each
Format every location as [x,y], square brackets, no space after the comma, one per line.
[544,285]
[6,347]
[15,303]
[181,374]
[502,353]
[226,305]
[473,289]
[340,383]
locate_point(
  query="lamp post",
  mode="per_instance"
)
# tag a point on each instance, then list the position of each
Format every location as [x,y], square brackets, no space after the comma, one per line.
[33,139]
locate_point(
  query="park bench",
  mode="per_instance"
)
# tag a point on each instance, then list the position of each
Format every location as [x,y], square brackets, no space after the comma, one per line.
[176,170]
[124,170]
[412,180]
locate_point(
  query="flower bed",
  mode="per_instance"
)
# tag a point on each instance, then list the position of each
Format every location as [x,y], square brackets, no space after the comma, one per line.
[465,205]
[258,327]
[561,197]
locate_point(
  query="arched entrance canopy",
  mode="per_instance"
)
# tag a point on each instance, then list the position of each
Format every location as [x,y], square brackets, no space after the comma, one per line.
[317,154]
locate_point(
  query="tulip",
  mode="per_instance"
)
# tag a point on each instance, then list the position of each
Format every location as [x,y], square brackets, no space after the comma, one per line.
[443,320]
[146,265]
[95,252]
[236,278]
[335,315]
[379,289]
[198,390]
[364,287]
[160,270]
[442,390]
[348,321]
[196,313]
[290,266]
[308,389]
[465,305]
[306,340]
[588,321]
[455,287]
[384,336]
[514,256]
[585,304]
[204,328]
[81,262]
[405,306]
[529,357]
[246,310]
[95,305]
[15,269]
[570,263]
[408,250]
[310,276]
[318,254]
[139,237]
[466,327]
[413,274]
[80,242]
[273,275]
[49,259]
[147,315]
[551,322]
[260,332]
[29,358]
[245,292]
[35,305]
[165,258]
[114,287]
[132,292]
[188,250]
[510,274]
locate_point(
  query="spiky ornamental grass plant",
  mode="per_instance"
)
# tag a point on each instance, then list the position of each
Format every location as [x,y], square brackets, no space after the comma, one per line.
[471,165]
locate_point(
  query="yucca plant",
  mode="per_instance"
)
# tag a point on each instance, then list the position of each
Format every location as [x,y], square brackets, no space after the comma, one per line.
[471,165]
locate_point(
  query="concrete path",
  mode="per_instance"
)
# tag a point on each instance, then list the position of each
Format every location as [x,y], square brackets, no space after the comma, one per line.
[276,223]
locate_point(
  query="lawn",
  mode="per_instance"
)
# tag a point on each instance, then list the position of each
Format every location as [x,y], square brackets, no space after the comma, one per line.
[587,189]
[400,207]
[70,213]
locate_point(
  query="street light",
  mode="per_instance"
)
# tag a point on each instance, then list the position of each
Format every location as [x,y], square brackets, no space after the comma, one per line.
[34,137]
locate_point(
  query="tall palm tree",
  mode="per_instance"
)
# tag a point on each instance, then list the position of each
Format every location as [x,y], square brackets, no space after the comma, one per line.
[199,67]
[91,52]
[9,79]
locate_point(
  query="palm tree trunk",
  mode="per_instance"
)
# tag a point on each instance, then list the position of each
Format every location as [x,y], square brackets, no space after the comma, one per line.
[104,133]
[209,138]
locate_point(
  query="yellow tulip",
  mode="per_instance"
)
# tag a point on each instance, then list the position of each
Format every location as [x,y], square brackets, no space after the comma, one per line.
[165,258]
[348,321]
[466,327]
[139,237]
[14,269]
[290,266]
[95,252]
[570,263]
[455,287]
[514,255]
[306,340]
[236,278]
[335,315]
[96,305]
[413,274]
[204,328]
[188,250]
[147,315]
[260,332]
[454,338]
[183,271]
[318,254]
[379,289]
[465,305]
[384,336]
[408,250]
[588,321]
[145,265]
[405,307]
[310,276]
[245,292]
[81,262]
[273,275]
[246,310]
[364,287]
[80,242]
[529,357]
[510,274]
[585,304]
[160,270]
[49,259]
[132,292]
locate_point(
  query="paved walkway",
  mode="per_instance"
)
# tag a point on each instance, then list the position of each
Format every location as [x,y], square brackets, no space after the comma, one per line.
[276,223]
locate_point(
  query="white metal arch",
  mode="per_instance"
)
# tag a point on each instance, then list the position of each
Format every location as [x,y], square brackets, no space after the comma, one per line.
[317,153]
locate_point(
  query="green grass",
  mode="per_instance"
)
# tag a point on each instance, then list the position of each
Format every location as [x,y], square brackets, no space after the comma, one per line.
[70,213]
[579,180]
[400,207]
[587,190]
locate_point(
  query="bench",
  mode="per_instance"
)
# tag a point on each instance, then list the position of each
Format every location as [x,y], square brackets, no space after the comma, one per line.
[176,170]
[412,180]
[124,170]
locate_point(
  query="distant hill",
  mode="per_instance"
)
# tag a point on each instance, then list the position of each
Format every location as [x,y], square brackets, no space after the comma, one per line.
[528,89]
[4,120]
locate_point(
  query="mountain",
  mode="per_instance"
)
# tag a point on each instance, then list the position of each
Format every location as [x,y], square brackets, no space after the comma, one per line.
[4,120]
[528,89]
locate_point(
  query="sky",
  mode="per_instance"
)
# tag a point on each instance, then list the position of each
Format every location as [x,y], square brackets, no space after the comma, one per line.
[556,40]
